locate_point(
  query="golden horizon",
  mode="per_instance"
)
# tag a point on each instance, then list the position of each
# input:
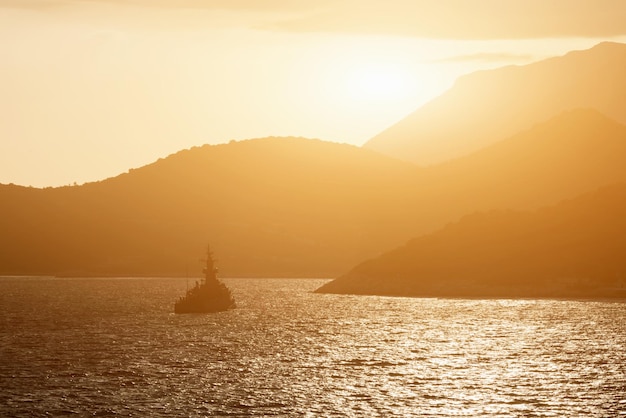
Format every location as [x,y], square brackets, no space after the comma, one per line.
[92,89]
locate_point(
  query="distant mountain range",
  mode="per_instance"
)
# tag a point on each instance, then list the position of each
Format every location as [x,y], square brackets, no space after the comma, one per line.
[573,249]
[295,207]
[292,206]
[269,207]
[487,106]
[572,153]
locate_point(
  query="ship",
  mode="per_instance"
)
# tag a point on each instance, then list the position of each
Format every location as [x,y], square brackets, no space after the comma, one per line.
[208,295]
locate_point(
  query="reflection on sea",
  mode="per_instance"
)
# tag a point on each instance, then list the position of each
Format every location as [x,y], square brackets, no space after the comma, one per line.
[114,347]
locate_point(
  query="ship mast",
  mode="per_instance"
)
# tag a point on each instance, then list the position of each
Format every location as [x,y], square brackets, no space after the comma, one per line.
[210,271]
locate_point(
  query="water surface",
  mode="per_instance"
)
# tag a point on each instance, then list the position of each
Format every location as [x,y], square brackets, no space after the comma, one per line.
[113,347]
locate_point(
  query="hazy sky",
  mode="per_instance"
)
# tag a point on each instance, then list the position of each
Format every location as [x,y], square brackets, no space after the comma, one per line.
[89,88]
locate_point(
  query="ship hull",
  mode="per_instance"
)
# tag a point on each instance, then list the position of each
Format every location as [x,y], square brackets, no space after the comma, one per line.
[209,296]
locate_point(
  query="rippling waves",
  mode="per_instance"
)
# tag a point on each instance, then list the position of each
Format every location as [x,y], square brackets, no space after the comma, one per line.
[109,347]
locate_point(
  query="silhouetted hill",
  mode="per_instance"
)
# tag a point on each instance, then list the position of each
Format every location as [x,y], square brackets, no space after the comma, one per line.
[273,206]
[573,249]
[487,106]
[570,154]
[291,206]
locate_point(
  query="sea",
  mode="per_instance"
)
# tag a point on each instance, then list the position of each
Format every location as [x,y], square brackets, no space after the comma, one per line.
[113,347]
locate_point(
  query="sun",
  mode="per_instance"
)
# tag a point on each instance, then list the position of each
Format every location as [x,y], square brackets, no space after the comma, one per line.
[380,83]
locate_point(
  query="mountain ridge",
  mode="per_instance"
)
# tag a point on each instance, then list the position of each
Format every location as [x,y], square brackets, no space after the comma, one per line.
[571,249]
[292,207]
[265,205]
[486,106]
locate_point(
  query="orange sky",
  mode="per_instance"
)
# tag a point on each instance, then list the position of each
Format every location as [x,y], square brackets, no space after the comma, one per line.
[89,89]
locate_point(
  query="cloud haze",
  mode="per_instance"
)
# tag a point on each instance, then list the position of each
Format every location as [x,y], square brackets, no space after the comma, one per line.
[488,57]
[478,19]
[434,19]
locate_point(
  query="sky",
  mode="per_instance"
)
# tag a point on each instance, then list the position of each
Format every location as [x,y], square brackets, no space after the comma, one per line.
[92,88]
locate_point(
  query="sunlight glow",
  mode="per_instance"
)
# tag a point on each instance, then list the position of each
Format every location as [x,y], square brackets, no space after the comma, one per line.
[380,83]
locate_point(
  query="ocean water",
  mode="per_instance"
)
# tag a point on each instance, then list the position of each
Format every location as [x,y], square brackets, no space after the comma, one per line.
[113,347]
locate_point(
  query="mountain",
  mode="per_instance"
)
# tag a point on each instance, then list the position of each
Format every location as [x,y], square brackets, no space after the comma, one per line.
[292,206]
[565,156]
[487,106]
[570,154]
[272,207]
[572,249]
